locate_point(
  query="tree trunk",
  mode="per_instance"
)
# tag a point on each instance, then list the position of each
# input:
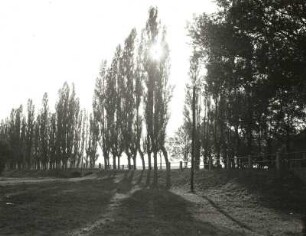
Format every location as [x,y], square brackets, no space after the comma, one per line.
[165,153]
[149,160]
[197,153]
[114,162]
[129,159]
[118,167]
[142,159]
[216,143]
[155,169]
[134,161]
[105,161]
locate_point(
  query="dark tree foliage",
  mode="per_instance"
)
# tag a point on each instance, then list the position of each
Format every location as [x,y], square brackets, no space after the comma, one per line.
[128,98]
[134,80]
[100,113]
[91,150]
[43,123]
[5,153]
[158,93]
[67,111]
[29,133]
[14,137]
[47,140]
[255,81]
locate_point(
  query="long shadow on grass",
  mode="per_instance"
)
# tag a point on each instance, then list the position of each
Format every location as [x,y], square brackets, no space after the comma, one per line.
[138,182]
[125,185]
[242,225]
[156,211]
[162,178]
[148,179]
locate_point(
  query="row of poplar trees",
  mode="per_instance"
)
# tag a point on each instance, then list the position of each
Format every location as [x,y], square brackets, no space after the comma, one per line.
[131,98]
[251,100]
[47,140]
[129,114]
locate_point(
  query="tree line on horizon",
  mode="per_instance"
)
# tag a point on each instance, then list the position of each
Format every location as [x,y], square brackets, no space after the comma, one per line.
[129,113]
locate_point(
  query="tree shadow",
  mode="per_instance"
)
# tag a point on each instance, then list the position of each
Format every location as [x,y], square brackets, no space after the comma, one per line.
[242,225]
[125,185]
[139,180]
[148,179]
[168,179]
[160,179]
[152,211]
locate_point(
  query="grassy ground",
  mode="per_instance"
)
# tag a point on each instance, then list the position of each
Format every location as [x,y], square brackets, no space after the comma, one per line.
[126,203]
[268,203]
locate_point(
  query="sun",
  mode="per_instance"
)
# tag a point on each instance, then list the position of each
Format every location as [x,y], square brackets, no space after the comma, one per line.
[156,52]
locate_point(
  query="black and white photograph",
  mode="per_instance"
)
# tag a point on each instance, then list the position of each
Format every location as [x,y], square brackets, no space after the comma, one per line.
[153,117]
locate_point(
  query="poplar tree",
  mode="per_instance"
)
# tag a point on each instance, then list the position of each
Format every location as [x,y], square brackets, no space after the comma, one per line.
[67,111]
[52,142]
[128,98]
[44,132]
[91,150]
[113,107]
[139,77]
[30,133]
[100,112]
[15,123]
[158,92]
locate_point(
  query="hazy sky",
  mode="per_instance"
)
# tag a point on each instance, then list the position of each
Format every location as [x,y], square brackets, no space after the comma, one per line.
[46,42]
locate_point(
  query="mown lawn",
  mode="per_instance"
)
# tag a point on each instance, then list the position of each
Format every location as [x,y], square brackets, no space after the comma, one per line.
[127,203]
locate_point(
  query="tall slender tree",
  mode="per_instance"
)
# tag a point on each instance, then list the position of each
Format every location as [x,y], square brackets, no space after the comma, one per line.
[43,123]
[100,110]
[29,133]
[158,93]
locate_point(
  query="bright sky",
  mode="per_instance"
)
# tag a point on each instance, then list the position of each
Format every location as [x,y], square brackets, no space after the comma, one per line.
[44,43]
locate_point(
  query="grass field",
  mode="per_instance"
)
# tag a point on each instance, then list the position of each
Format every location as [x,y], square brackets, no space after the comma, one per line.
[126,203]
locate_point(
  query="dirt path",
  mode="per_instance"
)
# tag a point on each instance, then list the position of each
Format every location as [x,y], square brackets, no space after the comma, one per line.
[16,181]
[108,214]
